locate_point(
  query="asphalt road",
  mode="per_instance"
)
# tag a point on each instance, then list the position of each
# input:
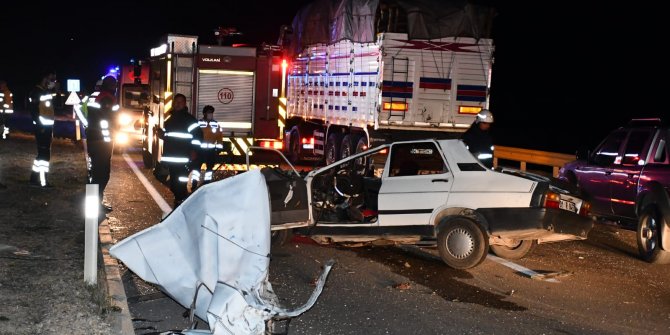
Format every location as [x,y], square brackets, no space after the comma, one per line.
[597,286]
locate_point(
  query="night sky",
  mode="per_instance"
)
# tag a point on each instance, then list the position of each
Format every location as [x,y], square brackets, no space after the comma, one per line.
[565,73]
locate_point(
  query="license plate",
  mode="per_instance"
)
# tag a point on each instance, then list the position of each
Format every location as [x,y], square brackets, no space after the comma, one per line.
[567,205]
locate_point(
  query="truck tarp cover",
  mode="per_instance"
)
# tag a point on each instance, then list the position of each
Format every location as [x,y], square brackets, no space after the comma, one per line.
[329,21]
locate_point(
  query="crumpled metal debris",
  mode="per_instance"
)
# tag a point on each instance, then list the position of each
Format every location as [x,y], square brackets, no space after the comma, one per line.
[212,255]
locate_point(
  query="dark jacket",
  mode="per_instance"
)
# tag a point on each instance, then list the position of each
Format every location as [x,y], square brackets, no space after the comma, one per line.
[40,104]
[477,140]
[101,117]
[180,131]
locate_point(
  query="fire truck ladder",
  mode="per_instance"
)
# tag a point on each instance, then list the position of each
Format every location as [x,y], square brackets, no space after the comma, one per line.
[183,82]
[399,79]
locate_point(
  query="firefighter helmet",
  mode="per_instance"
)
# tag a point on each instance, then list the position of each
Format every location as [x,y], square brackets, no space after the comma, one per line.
[485,116]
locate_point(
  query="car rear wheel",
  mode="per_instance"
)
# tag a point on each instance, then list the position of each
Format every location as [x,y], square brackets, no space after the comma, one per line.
[649,237]
[517,250]
[461,243]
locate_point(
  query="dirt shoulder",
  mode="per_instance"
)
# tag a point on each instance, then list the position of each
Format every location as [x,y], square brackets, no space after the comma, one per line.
[42,244]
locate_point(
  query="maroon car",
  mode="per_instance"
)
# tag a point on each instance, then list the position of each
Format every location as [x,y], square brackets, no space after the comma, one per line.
[627,179]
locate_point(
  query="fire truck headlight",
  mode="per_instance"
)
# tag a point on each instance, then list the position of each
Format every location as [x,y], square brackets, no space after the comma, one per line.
[125,119]
[121,138]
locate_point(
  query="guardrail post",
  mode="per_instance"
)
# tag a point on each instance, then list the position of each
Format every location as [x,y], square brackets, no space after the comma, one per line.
[91,208]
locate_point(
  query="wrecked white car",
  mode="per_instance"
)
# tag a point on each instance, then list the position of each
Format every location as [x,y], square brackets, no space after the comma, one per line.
[429,191]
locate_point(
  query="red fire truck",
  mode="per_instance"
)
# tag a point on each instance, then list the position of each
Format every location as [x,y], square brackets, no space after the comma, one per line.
[243,84]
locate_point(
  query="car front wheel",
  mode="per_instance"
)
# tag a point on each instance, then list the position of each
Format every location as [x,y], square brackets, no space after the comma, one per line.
[649,237]
[462,244]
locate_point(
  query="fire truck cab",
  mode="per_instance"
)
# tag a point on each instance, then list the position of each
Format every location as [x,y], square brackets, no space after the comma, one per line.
[241,83]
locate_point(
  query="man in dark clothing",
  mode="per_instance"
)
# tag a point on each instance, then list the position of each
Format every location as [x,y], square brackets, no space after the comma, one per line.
[478,138]
[182,137]
[101,122]
[42,112]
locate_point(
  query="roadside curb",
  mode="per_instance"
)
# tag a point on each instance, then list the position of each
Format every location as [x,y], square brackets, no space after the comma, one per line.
[120,318]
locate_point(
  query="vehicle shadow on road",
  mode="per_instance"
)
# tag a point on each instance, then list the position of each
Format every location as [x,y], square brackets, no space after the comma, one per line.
[618,240]
[429,270]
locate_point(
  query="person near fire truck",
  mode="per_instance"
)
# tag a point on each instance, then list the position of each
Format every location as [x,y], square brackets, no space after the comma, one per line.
[101,124]
[42,112]
[478,138]
[212,143]
[182,137]
[6,108]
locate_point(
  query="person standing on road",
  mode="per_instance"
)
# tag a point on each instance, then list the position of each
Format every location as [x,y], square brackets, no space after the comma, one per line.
[101,122]
[212,143]
[182,137]
[478,138]
[6,108]
[42,112]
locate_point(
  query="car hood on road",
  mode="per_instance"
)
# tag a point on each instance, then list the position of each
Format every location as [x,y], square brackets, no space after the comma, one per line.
[213,253]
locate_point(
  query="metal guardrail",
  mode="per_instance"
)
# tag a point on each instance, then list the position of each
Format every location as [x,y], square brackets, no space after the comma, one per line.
[553,159]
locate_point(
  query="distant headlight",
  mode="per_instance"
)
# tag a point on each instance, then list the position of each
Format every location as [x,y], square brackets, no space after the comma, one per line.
[121,138]
[125,119]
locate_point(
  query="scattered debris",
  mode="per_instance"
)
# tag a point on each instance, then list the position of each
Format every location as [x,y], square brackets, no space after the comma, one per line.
[402,286]
[550,275]
[22,252]
[407,265]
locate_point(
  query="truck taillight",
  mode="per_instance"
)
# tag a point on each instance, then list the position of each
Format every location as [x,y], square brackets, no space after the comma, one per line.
[307,143]
[552,200]
[395,106]
[272,145]
[469,109]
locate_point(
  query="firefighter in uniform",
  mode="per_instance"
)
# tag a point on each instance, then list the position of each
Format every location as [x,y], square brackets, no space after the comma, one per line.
[42,113]
[182,136]
[6,108]
[101,124]
[212,143]
[478,138]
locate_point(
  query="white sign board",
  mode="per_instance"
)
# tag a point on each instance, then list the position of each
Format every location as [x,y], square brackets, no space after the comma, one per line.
[73,85]
[73,99]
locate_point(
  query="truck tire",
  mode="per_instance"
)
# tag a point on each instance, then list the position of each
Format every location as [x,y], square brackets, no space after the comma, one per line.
[147,160]
[649,237]
[294,147]
[332,152]
[521,249]
[362,144]
[462,244]
[348,146]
